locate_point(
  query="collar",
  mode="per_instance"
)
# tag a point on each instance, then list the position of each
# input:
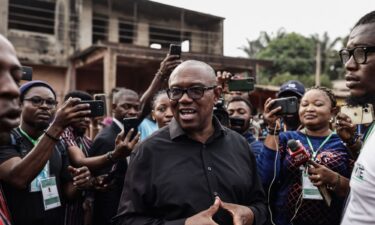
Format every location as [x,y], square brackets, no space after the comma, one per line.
[118,123]
[176,131]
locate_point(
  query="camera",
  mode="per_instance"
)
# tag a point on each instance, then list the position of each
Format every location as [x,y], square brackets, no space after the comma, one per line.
[175,50]
[221,113]
[27,73]
[289,105]
[130,123]
[359,114]
[96,107]
[241,84]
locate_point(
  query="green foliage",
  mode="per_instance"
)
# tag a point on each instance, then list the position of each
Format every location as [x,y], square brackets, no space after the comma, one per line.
[294,56]
[307,80]
[292,53]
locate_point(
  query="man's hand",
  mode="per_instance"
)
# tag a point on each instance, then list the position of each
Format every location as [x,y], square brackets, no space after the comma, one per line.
[205,217]
[344,127]
[223,77]
[242,215]
[124,147]
[71,112]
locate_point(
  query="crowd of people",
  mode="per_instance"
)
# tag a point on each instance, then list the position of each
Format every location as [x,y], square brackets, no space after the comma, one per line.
[182,164]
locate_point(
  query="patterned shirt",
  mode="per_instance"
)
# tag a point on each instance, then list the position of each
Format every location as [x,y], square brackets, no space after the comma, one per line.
[286,191]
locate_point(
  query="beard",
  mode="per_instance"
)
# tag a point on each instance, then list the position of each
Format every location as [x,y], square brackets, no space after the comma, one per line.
[361,100]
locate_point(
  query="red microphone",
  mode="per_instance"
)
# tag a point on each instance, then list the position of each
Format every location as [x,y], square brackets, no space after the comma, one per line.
[298,152]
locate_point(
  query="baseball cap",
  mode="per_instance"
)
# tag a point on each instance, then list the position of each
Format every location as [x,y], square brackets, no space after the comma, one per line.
[293,87]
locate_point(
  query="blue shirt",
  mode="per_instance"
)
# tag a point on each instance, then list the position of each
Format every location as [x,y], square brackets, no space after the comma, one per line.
[287,187]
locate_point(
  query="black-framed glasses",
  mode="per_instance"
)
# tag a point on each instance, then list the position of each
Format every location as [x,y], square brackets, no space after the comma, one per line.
[38,101]
[195,93]
[359,54]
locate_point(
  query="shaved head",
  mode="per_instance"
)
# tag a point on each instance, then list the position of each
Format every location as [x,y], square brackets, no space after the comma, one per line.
[198,65]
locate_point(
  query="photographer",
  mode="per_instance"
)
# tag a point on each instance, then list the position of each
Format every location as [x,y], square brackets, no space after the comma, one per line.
[240,116]
[292,88]
[37,159]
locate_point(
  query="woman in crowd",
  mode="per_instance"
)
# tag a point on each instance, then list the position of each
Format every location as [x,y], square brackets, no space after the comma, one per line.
[295,200]
[161,109]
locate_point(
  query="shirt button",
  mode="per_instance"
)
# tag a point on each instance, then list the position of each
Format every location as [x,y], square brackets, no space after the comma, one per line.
[209,168]
[215,193]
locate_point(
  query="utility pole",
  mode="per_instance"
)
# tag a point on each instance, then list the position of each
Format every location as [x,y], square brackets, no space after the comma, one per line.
[318,64]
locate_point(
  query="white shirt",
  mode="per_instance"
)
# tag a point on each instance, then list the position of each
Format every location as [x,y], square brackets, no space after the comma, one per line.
[360,209]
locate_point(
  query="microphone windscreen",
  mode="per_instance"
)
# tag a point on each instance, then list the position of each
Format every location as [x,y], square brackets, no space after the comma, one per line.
[293,145]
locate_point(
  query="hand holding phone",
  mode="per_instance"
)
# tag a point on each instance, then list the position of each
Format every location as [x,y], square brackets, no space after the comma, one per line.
[245,85]
[96,107]
[175,50]
[289,105]
[130,123]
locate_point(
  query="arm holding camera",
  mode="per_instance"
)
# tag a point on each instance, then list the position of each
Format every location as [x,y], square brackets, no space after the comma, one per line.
[271,119]
[160,79]
[123,148]
[18,171]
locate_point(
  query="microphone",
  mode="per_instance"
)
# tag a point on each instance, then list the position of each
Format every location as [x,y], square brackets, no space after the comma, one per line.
[300,156]
[297,152]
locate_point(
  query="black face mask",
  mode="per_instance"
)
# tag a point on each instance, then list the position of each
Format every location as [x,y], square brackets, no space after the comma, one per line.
[237,124]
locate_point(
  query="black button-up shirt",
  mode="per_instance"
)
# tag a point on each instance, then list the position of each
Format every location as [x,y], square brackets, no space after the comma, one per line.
[173,177]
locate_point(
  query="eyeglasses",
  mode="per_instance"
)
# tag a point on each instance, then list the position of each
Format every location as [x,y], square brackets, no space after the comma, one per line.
[359,54]
[38,101]
[193,92]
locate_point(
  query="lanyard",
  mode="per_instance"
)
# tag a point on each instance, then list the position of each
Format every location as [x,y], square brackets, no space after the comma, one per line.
[32,140]
[45,171]
[314,153]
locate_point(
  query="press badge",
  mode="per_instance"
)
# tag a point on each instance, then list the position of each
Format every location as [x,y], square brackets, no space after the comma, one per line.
[309,191]
[50,193]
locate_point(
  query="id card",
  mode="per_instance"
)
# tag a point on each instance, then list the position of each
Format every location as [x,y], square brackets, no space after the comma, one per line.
[309,191]
[50,193]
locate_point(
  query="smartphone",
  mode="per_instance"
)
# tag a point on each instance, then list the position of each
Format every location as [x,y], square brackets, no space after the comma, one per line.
[245,85]
[175,50]
[102,97]
[289,105]
[359,114]
[27,73]
[130,123]
[96,107]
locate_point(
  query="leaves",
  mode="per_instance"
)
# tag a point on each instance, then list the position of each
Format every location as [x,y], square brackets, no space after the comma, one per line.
[294,57]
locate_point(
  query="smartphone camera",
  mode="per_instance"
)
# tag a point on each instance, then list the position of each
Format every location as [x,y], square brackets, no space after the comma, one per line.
[175,50]
[27,73]
[96,107]
[289,105]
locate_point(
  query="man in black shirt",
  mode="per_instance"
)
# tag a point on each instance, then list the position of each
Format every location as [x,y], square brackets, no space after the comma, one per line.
[193,171]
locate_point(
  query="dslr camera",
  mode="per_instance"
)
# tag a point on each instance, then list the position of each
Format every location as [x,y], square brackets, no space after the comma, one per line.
[221,113]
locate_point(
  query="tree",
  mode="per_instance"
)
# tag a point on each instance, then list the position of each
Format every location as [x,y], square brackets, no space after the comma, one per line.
[291,53]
